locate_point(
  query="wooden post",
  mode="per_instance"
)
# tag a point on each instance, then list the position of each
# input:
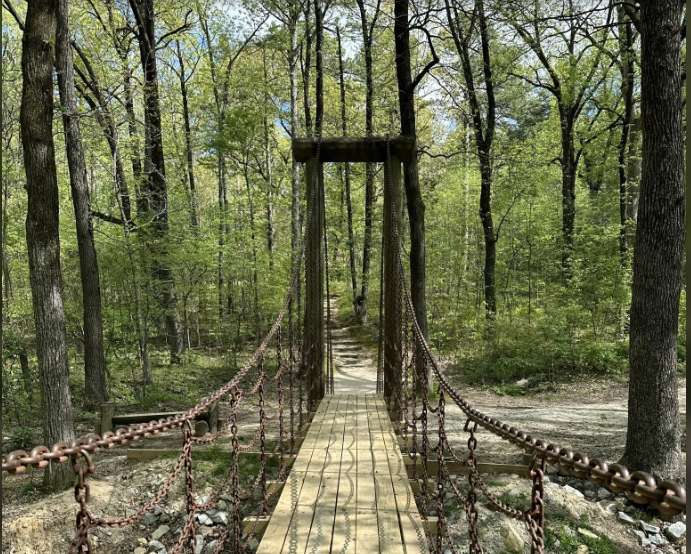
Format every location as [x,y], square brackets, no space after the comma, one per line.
[313,348]
[213,417]
[392,287]
[107,413]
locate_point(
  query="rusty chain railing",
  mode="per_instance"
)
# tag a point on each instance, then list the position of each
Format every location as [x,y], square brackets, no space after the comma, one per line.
[640,487]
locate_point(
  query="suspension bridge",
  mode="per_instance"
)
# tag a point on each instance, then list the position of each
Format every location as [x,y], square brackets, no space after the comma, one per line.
[364,465]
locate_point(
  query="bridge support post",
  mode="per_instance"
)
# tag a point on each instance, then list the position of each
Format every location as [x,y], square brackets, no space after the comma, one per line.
[392,289]
[313,336]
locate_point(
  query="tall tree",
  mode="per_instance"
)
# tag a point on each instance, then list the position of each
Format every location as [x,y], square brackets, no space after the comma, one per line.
[42,231]
[653,434]
[415,203]
[347,192]
[96,387]
[189,150]
[367,28]
[570,88]
[155,186]
[483,125]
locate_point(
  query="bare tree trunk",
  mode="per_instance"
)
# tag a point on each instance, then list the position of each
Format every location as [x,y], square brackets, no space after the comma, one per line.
[156,188]
[255,276]
[369,168]
[295,131]
[194,213]
[42,232]
[627,69]
[348,201]
[306,70]
[416,206]
[96,386]
[7,281]
[653,434]
[270,232]
[484,134]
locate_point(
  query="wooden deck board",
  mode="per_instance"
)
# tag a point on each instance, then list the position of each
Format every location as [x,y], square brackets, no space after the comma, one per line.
[348,492]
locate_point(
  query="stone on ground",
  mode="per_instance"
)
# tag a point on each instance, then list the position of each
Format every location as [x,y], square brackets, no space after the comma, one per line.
[676,531]
[513,540]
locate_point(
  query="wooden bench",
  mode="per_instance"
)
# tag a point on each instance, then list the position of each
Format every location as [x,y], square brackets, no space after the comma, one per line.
[207,421]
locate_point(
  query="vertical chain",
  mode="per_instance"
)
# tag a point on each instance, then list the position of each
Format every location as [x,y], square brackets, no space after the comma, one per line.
[471,499]
[262,436]
[443,476]
[189,485]
[329,349]
[82,493]
[380,344]
[235,476]
[535,520]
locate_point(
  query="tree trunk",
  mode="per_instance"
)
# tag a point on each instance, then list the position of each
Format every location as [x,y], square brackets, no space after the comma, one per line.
[653,435]
[568,188]
[348,201]
[194,213]
[627,70]
[484,135]
[270,232]
[96,386]
[43,234]
[306,70]
[369,167]
[7,282]
[155,186]
[416,206]
[294,132]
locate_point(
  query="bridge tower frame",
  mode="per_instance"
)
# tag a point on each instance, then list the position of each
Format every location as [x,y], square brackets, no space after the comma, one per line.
[397,150]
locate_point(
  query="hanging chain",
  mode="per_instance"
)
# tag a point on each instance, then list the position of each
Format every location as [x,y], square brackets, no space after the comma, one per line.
[471,499]
[82,493]
[535,519]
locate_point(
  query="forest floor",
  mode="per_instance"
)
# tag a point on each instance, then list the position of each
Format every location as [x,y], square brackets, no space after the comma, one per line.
[585,415]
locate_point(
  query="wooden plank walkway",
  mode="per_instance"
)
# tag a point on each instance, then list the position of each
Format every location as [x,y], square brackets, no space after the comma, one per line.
[348,491]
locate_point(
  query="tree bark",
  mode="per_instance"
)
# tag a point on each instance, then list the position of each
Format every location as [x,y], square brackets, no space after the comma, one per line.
[96,386]
[189,152]
[484,136]
[653,435]
[42,232]
[369,167]
[416,206]
[306,70]
[155,187]
[348,200]
[627,70]
[6,277]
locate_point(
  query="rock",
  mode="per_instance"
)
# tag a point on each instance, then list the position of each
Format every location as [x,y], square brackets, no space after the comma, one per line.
[204,519]
[625,518]
[222,505]
[583,549]
[649,529]
[571,490]
[676,531]
[587,534]
[164,517]
[160,532]
[621,505]
[546,479]
[219,518]
[157,510]
[157,546]
[129,513]
[198,545]
[513,540]
[143,541]
[149,519]
[607,507]
[642,539]
[140,550]
[602,492]
[204,530]
[254,544]
[590,495]
[211,547]
[657,540]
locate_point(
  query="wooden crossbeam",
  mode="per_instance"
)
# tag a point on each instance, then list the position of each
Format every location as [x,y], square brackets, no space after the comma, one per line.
[454,468]
[349,149]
